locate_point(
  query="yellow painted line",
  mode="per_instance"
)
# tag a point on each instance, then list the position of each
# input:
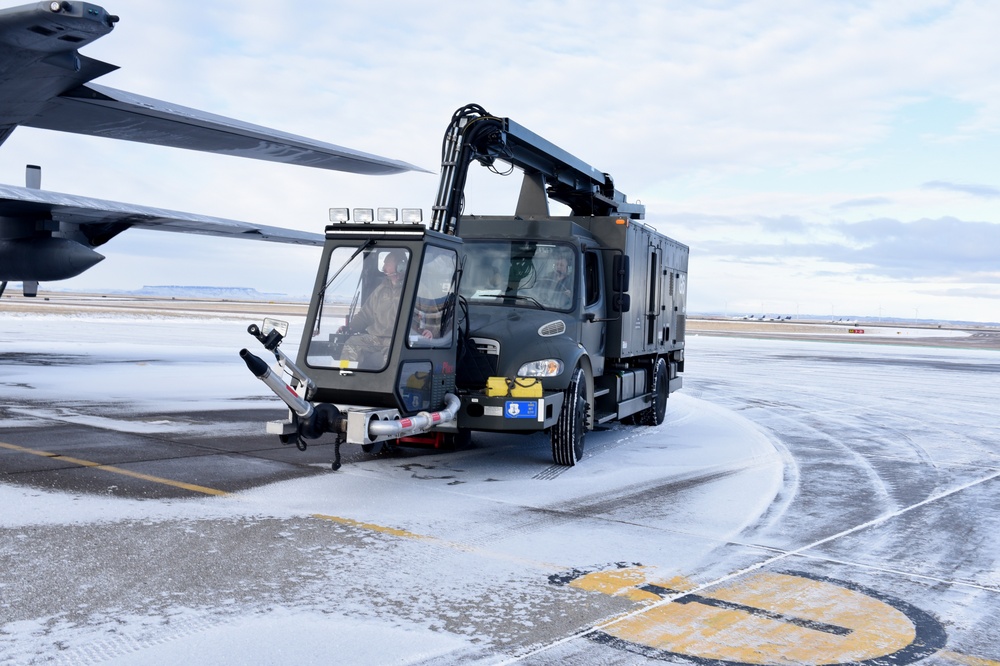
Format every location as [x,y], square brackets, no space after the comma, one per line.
[966,659]
[443,543]
[114,470]
[393,531]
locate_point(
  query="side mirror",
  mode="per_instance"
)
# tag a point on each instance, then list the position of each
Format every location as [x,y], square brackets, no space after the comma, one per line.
[272,333]
[621,302]
[274,325]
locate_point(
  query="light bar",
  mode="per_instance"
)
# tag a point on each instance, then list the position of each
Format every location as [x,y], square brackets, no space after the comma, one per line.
[386,215]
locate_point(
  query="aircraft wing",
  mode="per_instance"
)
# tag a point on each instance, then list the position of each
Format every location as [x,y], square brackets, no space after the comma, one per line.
[95,221]
[106,112]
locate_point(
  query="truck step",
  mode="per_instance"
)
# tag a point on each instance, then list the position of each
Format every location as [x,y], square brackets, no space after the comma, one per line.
[599,392]
[604,417]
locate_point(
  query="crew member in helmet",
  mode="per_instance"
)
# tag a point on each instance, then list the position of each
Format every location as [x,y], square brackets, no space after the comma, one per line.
[372,326]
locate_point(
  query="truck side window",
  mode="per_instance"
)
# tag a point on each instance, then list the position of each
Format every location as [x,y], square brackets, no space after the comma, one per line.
[433,308]
[592,277]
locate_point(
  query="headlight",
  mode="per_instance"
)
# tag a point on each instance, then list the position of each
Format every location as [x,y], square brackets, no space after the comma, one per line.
[549,367]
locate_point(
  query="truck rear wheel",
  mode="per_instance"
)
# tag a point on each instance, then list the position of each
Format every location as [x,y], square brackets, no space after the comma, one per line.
[568,432]
[657,410]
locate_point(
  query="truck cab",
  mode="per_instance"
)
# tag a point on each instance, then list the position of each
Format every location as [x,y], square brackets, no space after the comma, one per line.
[556,313]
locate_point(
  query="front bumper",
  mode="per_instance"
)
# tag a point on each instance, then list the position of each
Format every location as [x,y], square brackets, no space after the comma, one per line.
[499,414]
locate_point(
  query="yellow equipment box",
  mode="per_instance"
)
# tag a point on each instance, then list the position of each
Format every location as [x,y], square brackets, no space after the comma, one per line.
[526,387]
[496,387]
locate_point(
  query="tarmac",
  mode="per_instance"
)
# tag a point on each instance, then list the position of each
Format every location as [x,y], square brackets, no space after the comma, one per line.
[804,503]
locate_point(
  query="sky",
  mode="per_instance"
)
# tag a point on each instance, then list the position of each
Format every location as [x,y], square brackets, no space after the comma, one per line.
[836,160]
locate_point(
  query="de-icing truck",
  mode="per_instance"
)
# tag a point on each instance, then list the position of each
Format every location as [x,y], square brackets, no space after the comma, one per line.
[521,323]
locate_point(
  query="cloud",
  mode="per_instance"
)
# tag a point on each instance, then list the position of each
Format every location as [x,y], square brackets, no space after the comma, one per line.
[925,249]
[750,127]
[972,292]
[865,202]
[785,224]
[985,191]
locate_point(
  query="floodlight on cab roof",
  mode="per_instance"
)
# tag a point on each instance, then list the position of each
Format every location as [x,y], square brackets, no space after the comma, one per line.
[386,215]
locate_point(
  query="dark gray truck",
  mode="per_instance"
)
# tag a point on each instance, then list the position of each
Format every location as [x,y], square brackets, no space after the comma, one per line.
[523,323]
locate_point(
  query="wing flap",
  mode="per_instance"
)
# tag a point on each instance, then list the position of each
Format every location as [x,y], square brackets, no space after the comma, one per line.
[106,112]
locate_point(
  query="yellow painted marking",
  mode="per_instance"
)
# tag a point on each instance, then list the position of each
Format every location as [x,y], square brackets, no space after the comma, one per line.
[617,582]
[114,470]
[871,627]
[966,659]
[444,543]
[375,528]
[626,583]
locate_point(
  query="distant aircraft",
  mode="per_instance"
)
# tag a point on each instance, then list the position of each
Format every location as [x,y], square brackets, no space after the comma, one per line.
[44,83]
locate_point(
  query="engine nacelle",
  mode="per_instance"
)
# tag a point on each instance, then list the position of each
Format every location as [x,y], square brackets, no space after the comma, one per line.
[44,259]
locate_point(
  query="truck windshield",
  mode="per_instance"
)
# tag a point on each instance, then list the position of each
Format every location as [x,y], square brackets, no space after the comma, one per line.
[520,273]
[356,320]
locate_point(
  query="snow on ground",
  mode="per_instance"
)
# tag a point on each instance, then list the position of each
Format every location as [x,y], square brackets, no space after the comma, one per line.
[170,363]
[772,446]
[512,510]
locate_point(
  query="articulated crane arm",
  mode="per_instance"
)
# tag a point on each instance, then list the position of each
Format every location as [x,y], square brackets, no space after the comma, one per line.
[474,134]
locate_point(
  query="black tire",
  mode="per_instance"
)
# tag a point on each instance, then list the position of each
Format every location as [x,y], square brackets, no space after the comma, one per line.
[569,430]
[657,410]
[379,448]
[458,441]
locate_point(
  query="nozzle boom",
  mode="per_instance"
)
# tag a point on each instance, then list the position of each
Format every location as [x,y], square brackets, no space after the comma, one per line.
[256,364]
[263,372]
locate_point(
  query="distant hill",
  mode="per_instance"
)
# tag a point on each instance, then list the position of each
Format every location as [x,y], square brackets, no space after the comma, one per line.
[214,293]
[192,291]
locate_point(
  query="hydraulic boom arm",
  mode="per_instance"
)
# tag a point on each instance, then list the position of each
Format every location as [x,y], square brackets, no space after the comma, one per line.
[474,134]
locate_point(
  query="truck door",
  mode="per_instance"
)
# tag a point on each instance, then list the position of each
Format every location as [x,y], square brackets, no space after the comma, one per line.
[594,333]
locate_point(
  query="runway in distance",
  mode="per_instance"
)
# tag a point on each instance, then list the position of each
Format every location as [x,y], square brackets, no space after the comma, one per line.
[45,83]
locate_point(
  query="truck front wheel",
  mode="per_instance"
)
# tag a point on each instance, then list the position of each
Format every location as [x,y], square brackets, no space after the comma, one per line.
[568,432]
[653,415]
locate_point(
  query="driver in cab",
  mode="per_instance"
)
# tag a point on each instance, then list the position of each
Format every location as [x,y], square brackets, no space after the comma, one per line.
[372,326]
